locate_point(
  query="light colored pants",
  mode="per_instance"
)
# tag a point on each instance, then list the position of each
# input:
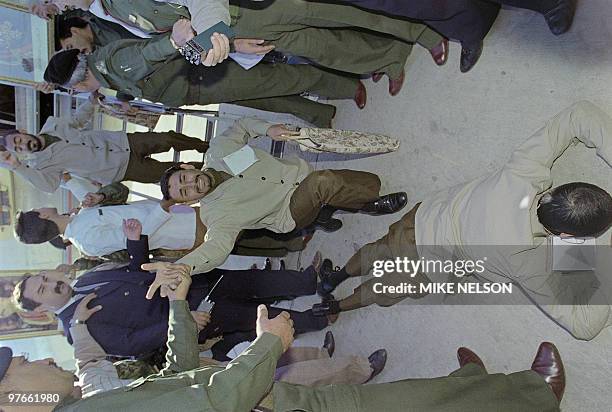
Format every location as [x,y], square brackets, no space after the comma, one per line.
[312,366]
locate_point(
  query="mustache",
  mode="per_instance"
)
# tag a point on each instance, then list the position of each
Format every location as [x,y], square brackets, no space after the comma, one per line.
[33,145]
[58,287]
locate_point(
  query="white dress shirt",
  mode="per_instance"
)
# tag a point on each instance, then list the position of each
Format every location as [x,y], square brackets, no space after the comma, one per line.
[98,231]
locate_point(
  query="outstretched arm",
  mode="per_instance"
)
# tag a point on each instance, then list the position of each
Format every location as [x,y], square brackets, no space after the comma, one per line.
[214,251]
[584,121]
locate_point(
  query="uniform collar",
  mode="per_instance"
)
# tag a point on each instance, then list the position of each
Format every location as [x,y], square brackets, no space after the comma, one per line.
[537,229]
[97,66]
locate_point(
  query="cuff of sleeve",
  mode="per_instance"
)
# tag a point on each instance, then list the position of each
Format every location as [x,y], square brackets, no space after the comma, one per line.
[271,341]
[178,307]
[167,46]
[259,127]
[78,332]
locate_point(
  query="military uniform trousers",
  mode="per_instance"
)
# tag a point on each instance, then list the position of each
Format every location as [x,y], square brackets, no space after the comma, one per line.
[342,189]
[270,87]
[142,168]
[469,389]
[398,242]
[332,35]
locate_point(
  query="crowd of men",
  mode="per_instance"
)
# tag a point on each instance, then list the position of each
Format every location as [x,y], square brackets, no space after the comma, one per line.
[151,291]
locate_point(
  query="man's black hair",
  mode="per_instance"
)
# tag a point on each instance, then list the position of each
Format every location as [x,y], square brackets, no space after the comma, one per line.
[164,182]
[20,300]
[578,209]
[30,228]
[65,24]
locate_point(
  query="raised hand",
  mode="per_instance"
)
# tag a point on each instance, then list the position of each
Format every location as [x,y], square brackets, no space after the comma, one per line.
[281,326]
[168,278]
[132,228]
[92,199]
[44,10]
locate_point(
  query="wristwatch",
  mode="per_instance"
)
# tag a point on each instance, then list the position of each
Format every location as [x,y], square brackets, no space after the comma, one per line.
[79,322]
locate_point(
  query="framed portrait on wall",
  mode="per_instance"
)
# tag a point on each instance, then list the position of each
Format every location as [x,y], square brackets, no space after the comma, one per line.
[25,46]
[16,324]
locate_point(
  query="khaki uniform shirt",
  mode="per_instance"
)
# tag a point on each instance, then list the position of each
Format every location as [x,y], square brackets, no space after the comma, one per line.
[500,210]
[256,198]
[98,155]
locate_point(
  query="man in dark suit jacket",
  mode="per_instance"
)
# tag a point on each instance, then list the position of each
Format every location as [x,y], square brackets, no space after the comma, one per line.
[128,324]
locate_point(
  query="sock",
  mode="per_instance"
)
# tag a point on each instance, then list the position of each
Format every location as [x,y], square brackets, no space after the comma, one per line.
[338,277]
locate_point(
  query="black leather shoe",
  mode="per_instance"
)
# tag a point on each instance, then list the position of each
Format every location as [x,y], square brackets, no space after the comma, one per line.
[329,343]
[328,307]
[325,220]
[378,360]
[560,17]
[386,204]
[325,287]
[469,57]
[329,226]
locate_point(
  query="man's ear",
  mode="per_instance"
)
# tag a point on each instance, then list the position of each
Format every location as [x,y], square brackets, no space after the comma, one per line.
[187,166]
[41,308]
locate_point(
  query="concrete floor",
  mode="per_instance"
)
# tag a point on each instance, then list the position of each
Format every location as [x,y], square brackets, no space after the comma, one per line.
[456,127]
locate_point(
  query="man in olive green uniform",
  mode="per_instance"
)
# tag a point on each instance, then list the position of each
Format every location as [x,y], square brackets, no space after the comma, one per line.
[86,32]
[154,70]
[247,382]
[272,81]
[333,36]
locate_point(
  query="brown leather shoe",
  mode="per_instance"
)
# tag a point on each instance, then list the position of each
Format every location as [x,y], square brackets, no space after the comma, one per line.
[377,76]
[361,96]
[395,85]
[440,52]
[548,365]
[465,356]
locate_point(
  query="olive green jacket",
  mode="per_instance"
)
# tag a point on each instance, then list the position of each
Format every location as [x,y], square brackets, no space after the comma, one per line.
[150,69]
[153,17]
[185,386]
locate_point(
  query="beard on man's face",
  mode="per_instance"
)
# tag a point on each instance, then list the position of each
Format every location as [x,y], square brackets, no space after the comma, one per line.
[34,144]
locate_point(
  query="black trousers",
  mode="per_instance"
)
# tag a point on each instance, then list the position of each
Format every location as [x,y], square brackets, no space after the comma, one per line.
[237,294]
[467,21]
[541,6]
[142,168]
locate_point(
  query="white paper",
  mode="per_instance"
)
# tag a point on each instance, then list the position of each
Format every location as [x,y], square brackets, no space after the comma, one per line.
[240,160]
[573,254]
[246,61]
